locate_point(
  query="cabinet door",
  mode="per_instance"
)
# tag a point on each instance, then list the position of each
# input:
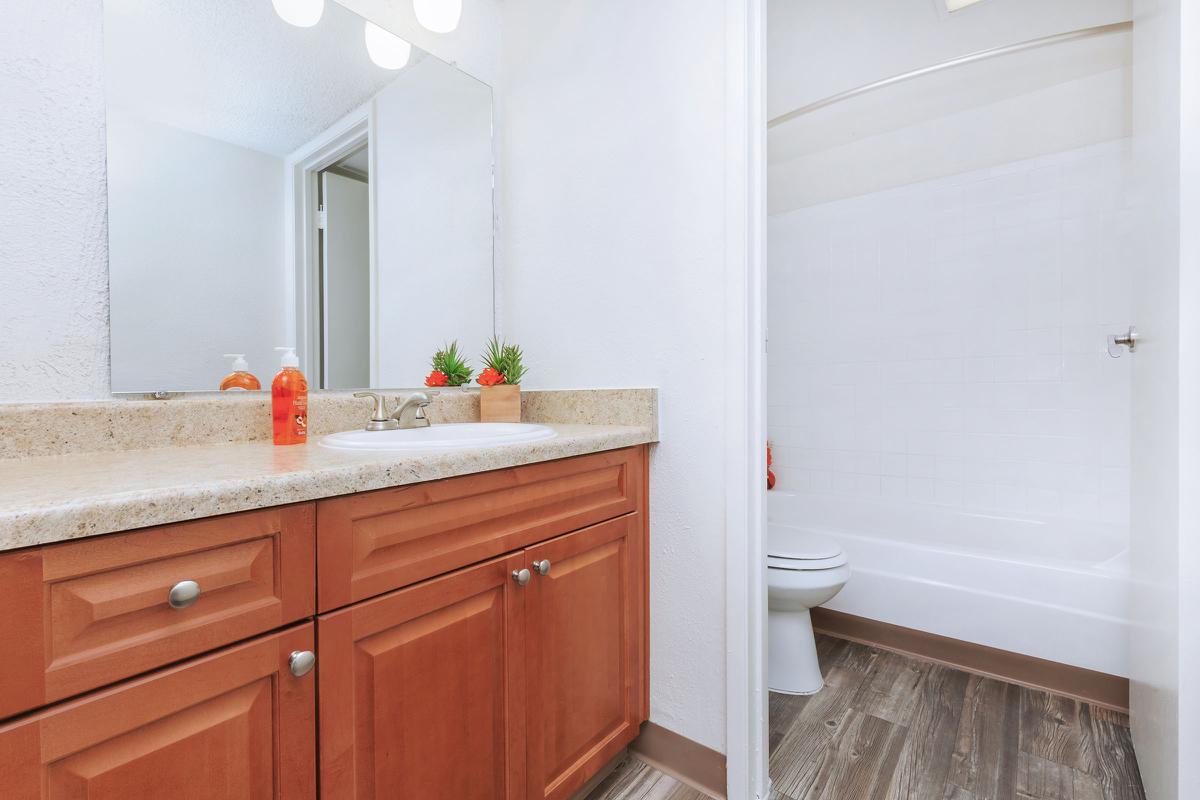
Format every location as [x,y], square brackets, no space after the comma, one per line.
[584,643]
[236,724]
[421,691]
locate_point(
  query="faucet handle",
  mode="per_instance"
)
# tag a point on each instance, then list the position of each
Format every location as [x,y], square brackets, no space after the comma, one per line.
[380,413]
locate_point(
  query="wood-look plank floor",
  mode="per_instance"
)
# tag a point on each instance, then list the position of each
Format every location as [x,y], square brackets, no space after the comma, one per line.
[889,727]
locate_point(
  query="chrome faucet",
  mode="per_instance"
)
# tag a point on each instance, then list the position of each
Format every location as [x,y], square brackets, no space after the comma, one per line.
[409,414]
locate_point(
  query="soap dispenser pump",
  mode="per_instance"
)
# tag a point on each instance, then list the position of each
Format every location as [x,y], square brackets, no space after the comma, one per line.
[240,377]
[289,401]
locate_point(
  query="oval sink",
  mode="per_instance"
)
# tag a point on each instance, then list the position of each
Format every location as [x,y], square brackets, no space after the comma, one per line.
[453,436]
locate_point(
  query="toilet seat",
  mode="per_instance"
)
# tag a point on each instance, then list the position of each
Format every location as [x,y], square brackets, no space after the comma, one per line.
[797,550]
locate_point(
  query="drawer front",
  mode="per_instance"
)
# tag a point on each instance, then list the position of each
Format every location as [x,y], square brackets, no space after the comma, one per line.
[84,614]
[234,724]
[375,542]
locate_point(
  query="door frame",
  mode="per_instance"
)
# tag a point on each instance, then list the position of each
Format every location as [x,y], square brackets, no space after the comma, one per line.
[745,401]
[301,247]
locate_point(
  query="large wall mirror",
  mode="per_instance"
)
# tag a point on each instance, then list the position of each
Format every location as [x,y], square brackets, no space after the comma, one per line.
[326,187]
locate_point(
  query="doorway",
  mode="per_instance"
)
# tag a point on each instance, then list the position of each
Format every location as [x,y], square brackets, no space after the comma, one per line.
[344,265]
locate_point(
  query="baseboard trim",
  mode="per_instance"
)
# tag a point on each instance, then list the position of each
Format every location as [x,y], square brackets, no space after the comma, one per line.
[1098,688]
[599,777]
[691,762]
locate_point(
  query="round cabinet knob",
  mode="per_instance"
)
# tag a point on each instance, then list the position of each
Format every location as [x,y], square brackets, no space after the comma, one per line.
[542,567]
[521,576]
[301,662]
[183,594]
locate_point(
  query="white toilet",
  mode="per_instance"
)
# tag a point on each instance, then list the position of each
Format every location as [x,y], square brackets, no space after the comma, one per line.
[803,570]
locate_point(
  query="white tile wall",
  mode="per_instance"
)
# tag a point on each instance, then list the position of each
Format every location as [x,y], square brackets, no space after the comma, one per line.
[945,342]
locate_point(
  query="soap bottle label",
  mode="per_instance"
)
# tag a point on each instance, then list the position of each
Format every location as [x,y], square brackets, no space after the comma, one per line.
[300,417]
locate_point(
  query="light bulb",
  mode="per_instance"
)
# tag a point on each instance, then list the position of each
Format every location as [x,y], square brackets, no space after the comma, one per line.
[386,49]
[301,13]
[439,16]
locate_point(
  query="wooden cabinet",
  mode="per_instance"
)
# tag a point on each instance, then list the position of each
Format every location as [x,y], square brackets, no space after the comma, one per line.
[584,654]
[84,614]
[422,691]
[481,638]
[496,682]
[233,725]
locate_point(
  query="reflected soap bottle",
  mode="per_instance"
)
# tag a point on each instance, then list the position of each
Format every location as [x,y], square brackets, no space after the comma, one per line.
[240,377]
[289,401]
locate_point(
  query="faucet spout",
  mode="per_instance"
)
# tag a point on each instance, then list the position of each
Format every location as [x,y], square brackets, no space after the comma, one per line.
[411,412]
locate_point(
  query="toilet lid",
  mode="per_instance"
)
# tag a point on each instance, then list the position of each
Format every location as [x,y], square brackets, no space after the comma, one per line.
[792,544]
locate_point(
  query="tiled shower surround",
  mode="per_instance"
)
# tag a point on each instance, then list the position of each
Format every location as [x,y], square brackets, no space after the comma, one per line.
[944,342]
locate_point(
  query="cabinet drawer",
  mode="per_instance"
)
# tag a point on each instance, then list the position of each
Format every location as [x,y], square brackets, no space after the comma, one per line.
[372,543]
[85,614]
[234,724]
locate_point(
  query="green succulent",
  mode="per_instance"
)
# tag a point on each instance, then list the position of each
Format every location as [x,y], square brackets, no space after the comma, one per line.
[507,359]
[450,362]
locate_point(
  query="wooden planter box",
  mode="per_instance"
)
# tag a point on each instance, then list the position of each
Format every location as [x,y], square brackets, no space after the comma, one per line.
[500,403]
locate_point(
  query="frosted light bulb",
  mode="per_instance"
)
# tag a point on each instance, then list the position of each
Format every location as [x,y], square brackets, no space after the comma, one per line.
[387,50]
[439,16]
[301,13]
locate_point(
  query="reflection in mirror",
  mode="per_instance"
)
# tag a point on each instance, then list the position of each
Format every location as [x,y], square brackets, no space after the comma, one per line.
[275,185]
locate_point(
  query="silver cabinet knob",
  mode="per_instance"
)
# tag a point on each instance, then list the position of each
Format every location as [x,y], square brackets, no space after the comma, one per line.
[521,576]
[183,594]
[542,567]
[301,662]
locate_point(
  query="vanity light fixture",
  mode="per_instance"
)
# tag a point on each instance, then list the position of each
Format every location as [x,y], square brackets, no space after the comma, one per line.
[301,13]
[439,16]
[387,50]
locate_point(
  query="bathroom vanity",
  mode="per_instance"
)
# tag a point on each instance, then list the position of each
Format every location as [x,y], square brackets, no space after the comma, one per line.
[480,636]
[189,612]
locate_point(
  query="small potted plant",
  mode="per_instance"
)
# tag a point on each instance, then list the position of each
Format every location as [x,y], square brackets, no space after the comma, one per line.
[500,382]
[449,368]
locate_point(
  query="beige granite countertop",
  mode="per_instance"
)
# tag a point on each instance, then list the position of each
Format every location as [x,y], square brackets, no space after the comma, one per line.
[53,498]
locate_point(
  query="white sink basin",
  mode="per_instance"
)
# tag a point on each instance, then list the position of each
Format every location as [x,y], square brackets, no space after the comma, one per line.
[438,437]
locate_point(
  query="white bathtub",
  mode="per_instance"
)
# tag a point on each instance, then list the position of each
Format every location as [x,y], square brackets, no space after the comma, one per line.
[1049,587]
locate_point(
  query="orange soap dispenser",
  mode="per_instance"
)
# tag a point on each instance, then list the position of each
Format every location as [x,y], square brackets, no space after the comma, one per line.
[240,377]
[289,400]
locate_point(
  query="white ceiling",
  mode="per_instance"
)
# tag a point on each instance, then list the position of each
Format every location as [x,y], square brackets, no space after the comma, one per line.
[235,71]
[941,94]
[817,48]
[358,161]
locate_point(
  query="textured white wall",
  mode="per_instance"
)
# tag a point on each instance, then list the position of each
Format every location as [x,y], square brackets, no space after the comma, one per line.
[53,247]
[614,206]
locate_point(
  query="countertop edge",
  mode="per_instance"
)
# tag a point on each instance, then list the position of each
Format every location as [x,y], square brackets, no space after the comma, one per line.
[79,518]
